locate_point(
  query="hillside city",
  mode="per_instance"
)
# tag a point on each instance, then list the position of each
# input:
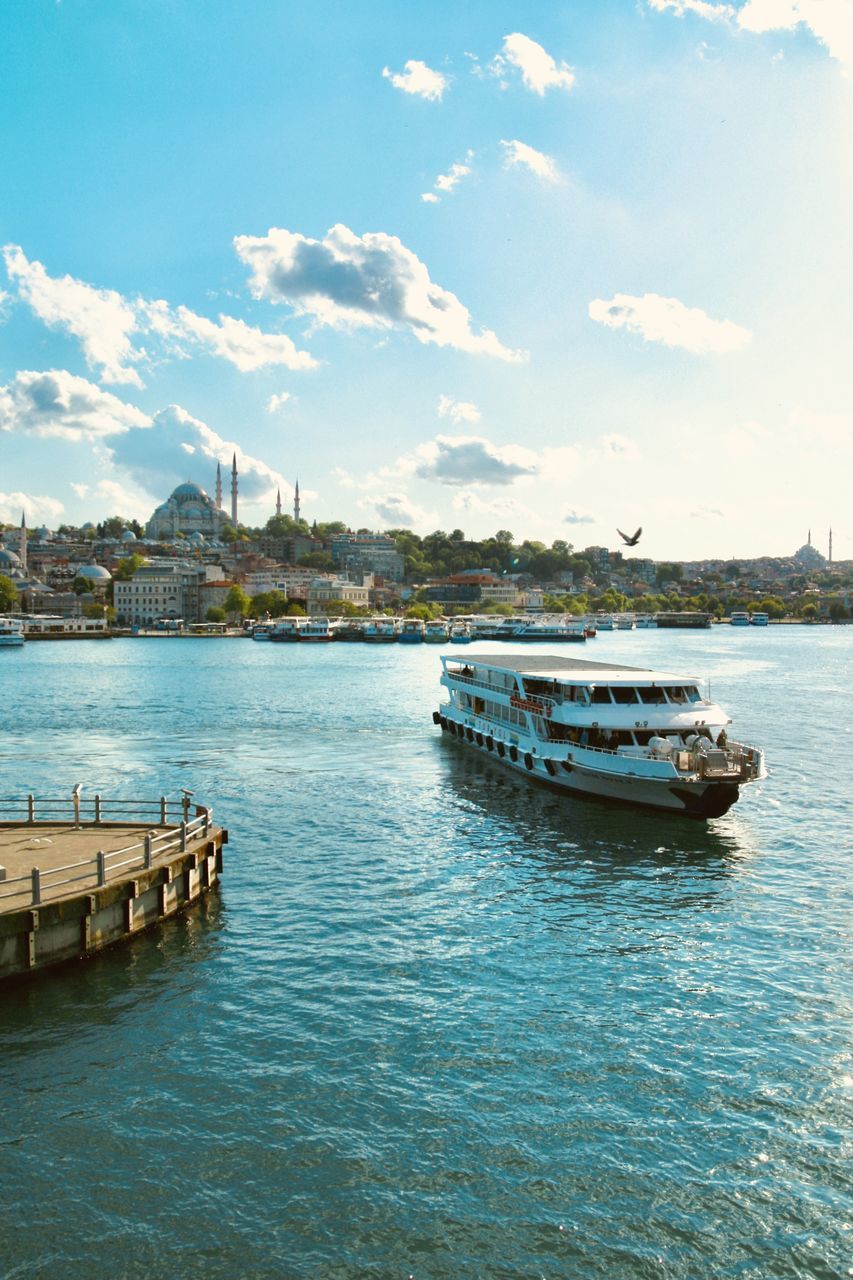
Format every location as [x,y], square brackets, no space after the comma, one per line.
[193,564]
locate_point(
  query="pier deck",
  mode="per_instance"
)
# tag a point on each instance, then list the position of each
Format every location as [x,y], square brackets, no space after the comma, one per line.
[69,888]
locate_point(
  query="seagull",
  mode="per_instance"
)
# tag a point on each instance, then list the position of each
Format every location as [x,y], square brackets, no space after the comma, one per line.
[630,542]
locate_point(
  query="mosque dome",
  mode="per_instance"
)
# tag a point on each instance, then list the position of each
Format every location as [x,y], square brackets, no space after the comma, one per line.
[87,525]
[189,490]
[197,536]
[128,536]
[9,560]
[94,573]
[44,534]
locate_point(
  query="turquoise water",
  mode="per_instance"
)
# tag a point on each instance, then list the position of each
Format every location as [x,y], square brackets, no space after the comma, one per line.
[438,1022]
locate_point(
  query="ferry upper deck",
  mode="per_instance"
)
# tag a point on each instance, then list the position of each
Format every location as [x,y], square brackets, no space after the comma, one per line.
[565,670]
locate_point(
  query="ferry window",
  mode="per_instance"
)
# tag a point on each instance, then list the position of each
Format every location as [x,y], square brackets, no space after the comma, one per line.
[693,694]
[623,695]
[652,696]
[601,693]
[677,694]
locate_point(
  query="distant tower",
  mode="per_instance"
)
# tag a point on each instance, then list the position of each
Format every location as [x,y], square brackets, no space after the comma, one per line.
[810,537]
[296,500]
[218,487]
[22,550]
[234,491]
[830,546]
[278,502]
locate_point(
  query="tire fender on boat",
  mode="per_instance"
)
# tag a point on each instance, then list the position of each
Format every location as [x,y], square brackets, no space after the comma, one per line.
[528,760]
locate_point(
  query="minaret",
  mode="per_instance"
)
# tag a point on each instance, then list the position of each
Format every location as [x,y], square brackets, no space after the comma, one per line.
[234,491]
[218,487]
[278,502]
[296,500]
[22,550]
[810,537]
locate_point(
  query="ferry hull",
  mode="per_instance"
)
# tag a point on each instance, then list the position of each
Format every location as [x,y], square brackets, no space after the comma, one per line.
[702,800]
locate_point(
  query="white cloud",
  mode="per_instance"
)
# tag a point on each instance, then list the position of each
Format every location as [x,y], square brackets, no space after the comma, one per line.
[244,346]
[575,516]
[38,508]
[830,21]
[616,446]
[397,510]
[472,460]
[538,69]
[702,513]
[457,410]
[177,446]
[59,404]
[343,478]
[100,319]
[502,508]
[278,402]
[418,79]
[519,153]
[123,500]
[669,321]
[80,489]
[347,281]
[447,182]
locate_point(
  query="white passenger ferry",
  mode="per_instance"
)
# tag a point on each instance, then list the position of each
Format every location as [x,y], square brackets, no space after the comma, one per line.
[617,732]
[11,633]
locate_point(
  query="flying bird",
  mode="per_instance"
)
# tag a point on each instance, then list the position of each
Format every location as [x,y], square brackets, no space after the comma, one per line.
[630,542]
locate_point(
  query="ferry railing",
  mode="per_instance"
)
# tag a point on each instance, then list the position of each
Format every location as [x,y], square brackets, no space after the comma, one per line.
[172,831]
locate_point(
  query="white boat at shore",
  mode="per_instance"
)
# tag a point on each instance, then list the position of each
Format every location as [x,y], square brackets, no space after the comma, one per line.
[316,631]
[286,630]
[740,618]
[645,737]
[436,632]
[381,631]
[11,633]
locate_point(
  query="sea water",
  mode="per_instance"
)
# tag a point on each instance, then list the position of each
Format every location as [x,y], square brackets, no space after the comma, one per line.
[438,1022]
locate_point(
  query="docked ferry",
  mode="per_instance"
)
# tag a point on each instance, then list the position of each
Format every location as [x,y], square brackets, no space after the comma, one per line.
[11,633]
[620,733]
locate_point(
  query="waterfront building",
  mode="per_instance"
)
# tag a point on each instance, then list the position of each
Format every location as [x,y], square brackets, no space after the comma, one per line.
[321,590]
[155,591]
[368,553]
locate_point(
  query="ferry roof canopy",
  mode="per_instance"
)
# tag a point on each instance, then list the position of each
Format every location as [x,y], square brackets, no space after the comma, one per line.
[567,669]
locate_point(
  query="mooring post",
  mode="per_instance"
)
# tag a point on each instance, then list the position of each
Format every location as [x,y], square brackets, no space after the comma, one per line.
[102,867]
[36,875]
[162,811]
[147,843]
[31,808]
[206,812]
[183,837]
[97,808]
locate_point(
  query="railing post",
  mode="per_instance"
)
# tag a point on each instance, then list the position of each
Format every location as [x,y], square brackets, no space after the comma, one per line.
[36,875]
[97,808]
[183,837]
[206,822]
[102,867]
[162,811]
[147,843]
[31,808]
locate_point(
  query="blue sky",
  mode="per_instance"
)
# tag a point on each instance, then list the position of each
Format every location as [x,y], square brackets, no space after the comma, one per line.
[546,267]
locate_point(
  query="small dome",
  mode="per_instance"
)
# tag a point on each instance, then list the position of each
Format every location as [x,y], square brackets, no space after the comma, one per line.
[87,525]
[196,537]
[8,559]
[94,573]
[44,534]
[128,536]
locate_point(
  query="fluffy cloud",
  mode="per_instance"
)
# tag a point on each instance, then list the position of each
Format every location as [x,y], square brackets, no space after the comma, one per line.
[103,321]
[57,403]
[177,446]
[520,154]
[470,460]
[347,280]
[830,21]
[38,508]
[244,346]
[397,510]
[538,69]
[457,410]
[669,321]
[574,516]
[502,508]
[278,402]
[418,79]
[100,319]
[447,182]
[702,513]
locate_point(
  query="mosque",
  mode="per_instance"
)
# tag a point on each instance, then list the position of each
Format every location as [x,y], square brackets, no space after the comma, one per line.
[195,514]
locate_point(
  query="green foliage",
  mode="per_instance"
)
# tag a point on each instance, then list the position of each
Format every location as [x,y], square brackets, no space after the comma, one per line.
[80,586]
[321,560]
[668,573]
[838,610]
[285,526]
[237,602]
[273,603]
[8,594]
[426,612]
[216,613]
[126,567]
[809,612]
[94,610]
[295,610]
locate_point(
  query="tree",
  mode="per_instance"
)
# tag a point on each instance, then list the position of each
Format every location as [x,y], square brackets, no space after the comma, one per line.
[127,566]
[81,585]
[668,573]
[94,610]
[295,610]
[272,602]
[237,601]
[837,611]
[809,612]
[215,613]
[317,560]
[8,594]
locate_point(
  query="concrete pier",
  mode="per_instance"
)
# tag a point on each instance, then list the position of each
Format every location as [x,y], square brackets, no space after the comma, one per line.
[69,889]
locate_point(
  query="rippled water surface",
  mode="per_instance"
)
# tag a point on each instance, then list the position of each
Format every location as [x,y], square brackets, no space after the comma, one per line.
[438,1022]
